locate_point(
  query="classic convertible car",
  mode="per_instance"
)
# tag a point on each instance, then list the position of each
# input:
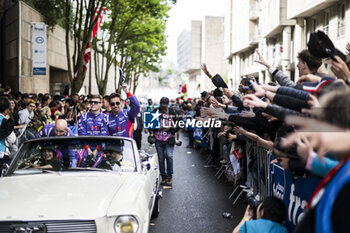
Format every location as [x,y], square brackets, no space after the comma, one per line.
[79,184]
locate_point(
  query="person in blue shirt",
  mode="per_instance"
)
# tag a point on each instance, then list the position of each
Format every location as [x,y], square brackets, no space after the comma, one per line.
[94,122]
[121,121]
[270,215]
[60,128]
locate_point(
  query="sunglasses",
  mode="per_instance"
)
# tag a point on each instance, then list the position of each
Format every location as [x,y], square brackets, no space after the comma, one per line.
[94,102]
[114,103]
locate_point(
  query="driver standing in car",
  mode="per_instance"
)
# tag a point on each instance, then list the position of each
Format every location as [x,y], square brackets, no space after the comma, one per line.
[94,122]
[121,121]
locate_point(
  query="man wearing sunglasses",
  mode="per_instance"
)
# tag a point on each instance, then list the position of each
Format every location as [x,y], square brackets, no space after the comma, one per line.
[121,121]
[93,122]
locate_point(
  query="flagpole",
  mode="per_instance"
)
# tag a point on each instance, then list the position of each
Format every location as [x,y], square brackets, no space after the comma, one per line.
[90,71]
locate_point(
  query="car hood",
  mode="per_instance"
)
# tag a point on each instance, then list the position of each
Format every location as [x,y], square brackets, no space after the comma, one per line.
[83,195]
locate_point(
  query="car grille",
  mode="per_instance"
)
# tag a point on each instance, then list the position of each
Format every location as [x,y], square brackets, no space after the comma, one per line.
[88,226]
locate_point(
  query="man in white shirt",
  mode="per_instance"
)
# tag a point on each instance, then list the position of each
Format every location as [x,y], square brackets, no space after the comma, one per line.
[25,116]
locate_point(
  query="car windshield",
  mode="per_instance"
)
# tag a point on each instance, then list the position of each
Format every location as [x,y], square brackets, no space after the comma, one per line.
[74,154]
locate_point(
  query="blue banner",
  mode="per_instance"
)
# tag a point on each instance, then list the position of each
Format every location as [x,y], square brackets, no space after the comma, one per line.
[295,194]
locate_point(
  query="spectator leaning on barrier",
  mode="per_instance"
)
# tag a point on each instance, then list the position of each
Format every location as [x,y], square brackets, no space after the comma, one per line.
[93,122]
[121,121]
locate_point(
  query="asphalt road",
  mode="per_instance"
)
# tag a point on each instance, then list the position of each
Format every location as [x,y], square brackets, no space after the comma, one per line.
[197,200]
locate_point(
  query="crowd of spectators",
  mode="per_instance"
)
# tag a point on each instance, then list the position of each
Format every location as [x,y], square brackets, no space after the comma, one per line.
[304,124]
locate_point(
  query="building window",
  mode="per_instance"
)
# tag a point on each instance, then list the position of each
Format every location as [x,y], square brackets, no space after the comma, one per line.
[341,20]
[326,23]
[313,25]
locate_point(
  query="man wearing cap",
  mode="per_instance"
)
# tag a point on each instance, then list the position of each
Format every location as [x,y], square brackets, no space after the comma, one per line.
[165,140]
[121,121]
[150,106]
[93,122]
[59,129]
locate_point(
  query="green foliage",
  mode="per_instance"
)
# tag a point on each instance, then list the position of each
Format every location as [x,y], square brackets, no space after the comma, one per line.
[52,10]
[136,29]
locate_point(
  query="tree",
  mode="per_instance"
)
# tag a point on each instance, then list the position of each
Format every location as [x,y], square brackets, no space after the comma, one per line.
[80,19]
[134,30]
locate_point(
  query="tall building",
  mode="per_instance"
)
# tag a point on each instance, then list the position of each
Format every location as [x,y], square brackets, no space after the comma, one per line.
[279,29]
[203,43]
[213,47]
[17,54]
[184,50]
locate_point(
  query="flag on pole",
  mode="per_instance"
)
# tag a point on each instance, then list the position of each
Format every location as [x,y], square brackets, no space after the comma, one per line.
[121,77]
[87,54]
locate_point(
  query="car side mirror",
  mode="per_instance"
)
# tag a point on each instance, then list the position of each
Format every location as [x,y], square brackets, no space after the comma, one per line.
[144,156]
[146,165]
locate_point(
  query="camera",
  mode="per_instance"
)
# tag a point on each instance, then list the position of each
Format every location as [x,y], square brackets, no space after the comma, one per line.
[178,142]
[252,202]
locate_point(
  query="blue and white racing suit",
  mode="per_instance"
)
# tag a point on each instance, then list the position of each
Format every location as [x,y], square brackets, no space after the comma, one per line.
[93,124]
[122,124]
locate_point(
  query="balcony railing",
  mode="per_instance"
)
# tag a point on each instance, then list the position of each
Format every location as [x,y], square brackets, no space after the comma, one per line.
[341,28]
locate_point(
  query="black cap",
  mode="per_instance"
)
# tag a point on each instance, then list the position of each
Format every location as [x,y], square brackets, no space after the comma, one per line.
[164,102]
[321,46]
[112,147]
[204,94]
[218,93]
[218,81]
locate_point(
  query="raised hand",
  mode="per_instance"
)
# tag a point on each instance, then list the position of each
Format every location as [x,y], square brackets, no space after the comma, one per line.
[261,60]
[205,70]
[308,78]
[340,69]
[322,136]
[347,48]
[252,101]
[125,89]
[259,91]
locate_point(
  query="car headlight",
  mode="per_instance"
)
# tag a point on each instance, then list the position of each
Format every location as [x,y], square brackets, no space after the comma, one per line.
[126,224]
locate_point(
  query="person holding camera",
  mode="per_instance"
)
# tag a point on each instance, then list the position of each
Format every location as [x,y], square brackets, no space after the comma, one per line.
[270,214]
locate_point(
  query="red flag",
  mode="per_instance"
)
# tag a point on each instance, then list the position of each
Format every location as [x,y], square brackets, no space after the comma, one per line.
[237,154]
[184,89]
[87,54]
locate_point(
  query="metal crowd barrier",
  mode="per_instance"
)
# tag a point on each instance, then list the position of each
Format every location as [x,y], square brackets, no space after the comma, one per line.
[258,168]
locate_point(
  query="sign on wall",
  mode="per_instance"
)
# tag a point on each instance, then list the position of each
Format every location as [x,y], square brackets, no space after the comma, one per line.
[39,48]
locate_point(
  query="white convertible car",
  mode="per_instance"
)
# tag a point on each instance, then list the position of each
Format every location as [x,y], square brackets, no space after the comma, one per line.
[79,184]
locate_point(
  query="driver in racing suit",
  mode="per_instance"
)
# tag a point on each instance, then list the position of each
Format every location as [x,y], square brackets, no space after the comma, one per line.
[93,122]
[121,121]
